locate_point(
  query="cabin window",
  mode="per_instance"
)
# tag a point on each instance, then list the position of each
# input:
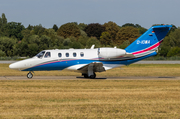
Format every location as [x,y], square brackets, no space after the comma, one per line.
[67,54]
[48,54]
[74,54]
[82,54]
[40,55]
[59,55]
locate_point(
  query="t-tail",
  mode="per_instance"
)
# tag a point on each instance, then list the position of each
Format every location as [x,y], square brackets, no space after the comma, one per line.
[147,44]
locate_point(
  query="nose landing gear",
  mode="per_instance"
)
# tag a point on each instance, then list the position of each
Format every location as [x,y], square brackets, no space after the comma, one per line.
[29,75]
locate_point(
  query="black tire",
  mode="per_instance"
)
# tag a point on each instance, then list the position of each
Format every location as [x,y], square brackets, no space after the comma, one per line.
[93,76]
[29,75]
[86,76]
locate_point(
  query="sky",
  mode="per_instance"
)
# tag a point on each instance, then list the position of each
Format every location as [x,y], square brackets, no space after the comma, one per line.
[50,12]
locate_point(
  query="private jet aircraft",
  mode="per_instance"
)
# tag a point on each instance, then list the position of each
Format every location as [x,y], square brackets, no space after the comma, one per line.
[89,61]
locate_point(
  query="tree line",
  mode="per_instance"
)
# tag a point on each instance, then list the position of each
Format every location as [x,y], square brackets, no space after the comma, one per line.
[16,40]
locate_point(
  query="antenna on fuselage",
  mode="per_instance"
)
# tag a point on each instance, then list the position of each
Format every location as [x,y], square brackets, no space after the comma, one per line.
[92,47]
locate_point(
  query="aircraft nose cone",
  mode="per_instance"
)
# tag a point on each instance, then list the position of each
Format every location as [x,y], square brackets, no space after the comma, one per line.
[12,66]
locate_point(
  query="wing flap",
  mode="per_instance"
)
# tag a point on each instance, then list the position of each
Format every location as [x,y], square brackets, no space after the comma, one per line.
[97,67]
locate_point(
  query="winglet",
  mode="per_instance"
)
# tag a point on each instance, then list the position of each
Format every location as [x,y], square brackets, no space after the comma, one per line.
[92,47]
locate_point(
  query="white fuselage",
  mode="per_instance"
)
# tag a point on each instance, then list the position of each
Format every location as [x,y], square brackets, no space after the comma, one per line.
[72,59]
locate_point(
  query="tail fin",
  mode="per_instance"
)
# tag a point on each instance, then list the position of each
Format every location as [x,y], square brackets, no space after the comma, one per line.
[149,41]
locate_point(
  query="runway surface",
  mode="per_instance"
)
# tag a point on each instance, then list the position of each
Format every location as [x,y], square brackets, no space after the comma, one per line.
[82,78]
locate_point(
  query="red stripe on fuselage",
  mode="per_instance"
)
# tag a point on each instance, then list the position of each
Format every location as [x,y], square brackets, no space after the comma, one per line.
[150,48]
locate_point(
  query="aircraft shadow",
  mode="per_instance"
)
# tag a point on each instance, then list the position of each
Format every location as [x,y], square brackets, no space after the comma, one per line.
[166,77]
[90,78]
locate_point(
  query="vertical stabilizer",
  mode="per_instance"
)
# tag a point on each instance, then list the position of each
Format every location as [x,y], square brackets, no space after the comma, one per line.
[149,41]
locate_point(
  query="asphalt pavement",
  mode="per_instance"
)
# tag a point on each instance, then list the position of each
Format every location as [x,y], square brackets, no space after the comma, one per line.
[82,78]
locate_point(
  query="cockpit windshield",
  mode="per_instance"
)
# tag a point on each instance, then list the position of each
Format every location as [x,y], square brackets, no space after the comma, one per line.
[40,55]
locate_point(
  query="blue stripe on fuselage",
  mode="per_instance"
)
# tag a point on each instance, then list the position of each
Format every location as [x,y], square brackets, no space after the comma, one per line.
[64,64]
[58,65]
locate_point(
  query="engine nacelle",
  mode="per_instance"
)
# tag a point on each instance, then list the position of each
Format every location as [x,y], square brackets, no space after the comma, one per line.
[111,52]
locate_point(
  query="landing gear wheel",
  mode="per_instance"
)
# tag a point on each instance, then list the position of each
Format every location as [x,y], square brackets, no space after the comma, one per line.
[93,76]
[29,75]
[86,76]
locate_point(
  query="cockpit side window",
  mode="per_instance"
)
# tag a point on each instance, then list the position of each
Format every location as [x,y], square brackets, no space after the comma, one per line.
[48,54]
[40,55]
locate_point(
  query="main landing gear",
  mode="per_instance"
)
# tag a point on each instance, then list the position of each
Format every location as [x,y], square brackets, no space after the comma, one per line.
[29,75]
[91,76]
[90,72]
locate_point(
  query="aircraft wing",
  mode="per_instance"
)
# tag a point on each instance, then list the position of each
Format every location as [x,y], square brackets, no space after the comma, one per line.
[97,67]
